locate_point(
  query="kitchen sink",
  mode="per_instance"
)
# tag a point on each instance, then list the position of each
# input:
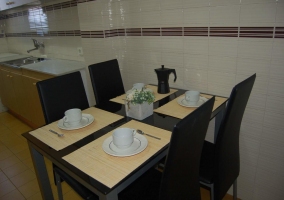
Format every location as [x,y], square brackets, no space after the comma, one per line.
[23,61]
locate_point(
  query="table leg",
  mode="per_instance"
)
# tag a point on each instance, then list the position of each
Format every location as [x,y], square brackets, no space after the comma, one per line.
[218,120]
[41,173]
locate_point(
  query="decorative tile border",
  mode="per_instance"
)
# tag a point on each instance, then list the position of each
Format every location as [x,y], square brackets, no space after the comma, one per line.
[251,32]
[256,32]
[279,32]
[151,31]
[45,34]
[133,32]
[195,31]
[223,32]
[172,31]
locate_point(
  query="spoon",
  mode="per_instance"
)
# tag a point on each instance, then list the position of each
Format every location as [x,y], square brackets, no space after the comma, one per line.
[58,134]
[142,133]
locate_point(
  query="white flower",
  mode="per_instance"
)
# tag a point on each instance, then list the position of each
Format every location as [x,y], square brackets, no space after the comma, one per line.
[135,96]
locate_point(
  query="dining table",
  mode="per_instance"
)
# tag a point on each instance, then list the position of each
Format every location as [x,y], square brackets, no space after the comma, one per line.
[80,152]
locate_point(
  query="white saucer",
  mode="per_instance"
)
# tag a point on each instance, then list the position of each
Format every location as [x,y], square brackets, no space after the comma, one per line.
[87,119]
[181,101]
[139,144]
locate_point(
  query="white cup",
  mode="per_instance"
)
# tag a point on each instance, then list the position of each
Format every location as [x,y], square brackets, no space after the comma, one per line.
[123,137]
[192,97]
[73,116]
[138,86]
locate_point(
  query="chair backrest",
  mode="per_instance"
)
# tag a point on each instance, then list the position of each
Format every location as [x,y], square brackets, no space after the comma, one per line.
[61,93]
[227,157]
[106,80]
[181,174]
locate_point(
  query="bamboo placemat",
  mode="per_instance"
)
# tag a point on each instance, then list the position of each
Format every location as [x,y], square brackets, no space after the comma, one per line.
[175,110]
[109,170]
[102,119]
[158,96]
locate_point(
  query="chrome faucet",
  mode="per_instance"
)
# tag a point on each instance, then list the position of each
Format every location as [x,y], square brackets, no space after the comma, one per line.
[37,45]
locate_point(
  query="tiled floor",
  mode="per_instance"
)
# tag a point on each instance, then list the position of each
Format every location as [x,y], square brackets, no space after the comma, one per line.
[17,176]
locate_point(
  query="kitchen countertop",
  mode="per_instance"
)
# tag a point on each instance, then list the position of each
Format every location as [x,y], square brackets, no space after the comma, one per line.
[7,57]
[50,66]
[55,67]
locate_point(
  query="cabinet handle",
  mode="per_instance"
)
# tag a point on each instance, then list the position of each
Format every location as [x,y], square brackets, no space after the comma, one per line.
[7,76]
[34,83]
[11,76]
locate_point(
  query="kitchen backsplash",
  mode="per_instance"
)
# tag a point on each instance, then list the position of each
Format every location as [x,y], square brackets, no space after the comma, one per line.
[212,44]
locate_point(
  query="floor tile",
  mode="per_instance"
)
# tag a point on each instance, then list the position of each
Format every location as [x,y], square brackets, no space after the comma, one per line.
[9,162]
[14,195]
[23,177]
[29,163]
[72,195]
[3,177]
[29,189]
[2,147]
[37,196]
[15,169]
[25,154]
[5,154]
[18,148]
[6,187]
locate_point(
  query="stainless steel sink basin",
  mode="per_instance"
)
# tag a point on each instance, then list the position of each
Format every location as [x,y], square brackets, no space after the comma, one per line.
[23,61]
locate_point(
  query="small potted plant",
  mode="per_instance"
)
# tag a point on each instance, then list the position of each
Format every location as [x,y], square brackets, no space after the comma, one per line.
[139,103]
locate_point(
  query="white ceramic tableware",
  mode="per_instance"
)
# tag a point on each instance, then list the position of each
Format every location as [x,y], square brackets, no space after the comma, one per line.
[73,116]
[138,86]
[123,137]
[192,97]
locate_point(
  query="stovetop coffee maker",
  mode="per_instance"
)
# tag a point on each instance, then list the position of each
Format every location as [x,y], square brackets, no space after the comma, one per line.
[163,75]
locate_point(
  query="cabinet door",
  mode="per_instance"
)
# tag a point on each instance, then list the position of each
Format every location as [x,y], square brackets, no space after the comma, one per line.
[7,92]
[21,96]
[33,101]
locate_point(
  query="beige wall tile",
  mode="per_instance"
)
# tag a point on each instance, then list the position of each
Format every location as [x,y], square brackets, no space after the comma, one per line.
[172,44]
[225,16]
[223,46]
[224,2]
[150,5]
[222,64]
[199,62]
[169,4]
[258,14]
[255,48]
[196,16]
[150,19]
[172,18]
[195,3]
[195,45]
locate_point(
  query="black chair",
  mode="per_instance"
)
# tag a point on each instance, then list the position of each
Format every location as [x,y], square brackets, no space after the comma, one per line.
[56,96]
[61,93]
[180,178]
[220,162]
[106,80]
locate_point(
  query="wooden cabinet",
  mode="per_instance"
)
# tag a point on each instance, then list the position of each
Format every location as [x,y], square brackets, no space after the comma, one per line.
[30,79]
[7,95]
[19,94]
[11,96]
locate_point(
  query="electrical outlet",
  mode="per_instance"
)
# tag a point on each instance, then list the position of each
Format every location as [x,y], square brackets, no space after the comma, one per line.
[80,51]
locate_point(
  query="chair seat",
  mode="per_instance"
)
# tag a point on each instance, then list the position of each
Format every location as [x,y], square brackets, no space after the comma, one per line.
[145,187]
[80,189]
[206,173]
